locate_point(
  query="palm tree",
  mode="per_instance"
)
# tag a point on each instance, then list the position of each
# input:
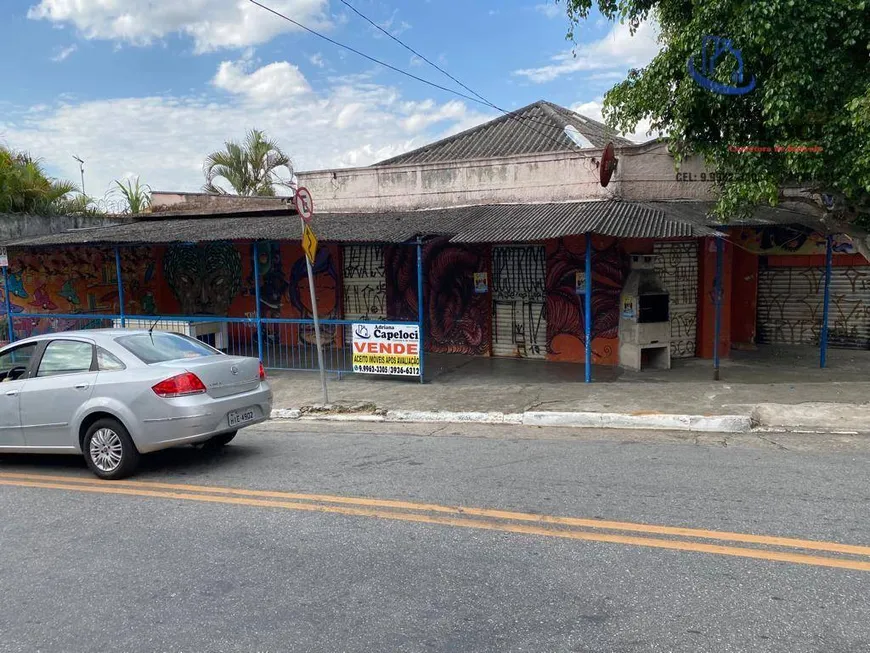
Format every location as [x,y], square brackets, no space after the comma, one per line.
[137,197]
[250,168]
[25,188]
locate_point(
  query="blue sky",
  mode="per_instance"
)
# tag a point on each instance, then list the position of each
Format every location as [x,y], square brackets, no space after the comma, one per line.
[149,88]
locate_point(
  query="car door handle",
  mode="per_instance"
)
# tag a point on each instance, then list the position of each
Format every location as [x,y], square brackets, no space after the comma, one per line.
[81,386]
[12,393]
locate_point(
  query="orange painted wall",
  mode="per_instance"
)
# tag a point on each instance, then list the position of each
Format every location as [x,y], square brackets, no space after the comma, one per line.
[706,308]
[818,260]
[744,305]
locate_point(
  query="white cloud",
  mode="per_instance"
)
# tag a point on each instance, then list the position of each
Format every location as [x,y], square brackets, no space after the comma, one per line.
[63,53]
[164,138]
[550,9]
[393,26]
[618,50]
[593,109]
[317,60]
[211,24]
[430,115]
[270,83]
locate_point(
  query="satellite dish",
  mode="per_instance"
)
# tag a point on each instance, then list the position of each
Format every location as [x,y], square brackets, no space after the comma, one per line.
[607,165]
[578,139]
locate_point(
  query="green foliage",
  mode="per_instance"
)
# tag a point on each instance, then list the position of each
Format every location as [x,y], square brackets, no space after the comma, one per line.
[810,58]
[25,188]
[136,196]
[250,168]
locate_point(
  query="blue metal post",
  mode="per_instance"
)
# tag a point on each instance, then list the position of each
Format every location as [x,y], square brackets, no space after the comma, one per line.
[588,308]
[120,286]
[8,304]
[256,250]
[717,302]
[829,262]
[420,308]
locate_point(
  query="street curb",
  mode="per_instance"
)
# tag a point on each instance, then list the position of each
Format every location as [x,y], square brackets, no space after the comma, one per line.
[649,421]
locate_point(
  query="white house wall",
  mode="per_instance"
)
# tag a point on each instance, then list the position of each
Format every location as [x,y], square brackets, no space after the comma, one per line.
[644,173]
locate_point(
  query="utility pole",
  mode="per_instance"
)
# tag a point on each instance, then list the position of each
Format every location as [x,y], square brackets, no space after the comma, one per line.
[82,169]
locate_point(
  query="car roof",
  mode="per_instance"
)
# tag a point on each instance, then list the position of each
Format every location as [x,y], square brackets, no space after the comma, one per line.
[97,335]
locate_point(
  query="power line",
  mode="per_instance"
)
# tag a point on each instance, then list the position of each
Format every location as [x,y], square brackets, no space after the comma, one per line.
[444,72]
[364,55]
[478,99]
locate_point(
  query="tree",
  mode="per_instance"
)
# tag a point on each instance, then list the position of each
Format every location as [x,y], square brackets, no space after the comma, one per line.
[250,168]
[25,188]
[136,196]
[810,61]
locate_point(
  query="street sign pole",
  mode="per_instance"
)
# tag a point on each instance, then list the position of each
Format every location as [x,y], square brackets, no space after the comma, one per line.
[316,319]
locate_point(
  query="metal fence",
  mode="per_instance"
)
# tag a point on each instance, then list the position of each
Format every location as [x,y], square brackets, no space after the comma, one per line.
[283,344]
[287,344]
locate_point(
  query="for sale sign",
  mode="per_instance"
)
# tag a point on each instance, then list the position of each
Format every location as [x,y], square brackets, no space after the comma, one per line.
[392,349]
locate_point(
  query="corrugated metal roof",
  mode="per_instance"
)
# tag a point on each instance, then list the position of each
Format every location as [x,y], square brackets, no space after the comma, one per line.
[469,224]
[530,222]
[699,213]
[536,128]
[391,227]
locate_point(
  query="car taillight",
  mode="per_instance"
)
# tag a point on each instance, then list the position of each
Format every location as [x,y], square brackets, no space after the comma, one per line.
[180,386]
[262,372]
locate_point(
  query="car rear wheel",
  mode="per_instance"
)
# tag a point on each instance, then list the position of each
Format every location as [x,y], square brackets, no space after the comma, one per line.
[219,441]
[109,450]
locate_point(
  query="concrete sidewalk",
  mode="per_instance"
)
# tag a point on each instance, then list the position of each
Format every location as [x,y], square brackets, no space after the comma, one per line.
[772,388]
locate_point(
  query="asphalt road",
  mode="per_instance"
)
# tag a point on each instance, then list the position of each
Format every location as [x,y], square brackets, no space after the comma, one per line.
[278,566]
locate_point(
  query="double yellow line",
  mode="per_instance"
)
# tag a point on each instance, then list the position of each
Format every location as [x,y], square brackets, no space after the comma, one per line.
[762,547]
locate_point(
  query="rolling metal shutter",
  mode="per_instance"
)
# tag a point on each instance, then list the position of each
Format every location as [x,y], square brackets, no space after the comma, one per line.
[790,306]
[677,266]
[519,301]
[365,285]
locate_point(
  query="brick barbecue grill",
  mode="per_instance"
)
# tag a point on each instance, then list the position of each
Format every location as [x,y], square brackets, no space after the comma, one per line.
[644,319]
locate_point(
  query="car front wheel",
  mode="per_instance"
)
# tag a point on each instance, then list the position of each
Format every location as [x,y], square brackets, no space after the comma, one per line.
[109,450]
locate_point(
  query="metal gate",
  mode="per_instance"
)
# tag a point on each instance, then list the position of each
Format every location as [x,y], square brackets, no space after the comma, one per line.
[519,301]
[365,285]
[677,267]
[790,306]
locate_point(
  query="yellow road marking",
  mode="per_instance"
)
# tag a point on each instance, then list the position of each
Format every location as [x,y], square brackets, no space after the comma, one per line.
[649,529]
[699,547]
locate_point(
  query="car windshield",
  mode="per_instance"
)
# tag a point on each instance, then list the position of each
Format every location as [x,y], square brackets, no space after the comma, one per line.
[161,347]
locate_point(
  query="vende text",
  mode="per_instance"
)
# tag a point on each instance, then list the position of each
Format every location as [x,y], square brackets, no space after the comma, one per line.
[386,348]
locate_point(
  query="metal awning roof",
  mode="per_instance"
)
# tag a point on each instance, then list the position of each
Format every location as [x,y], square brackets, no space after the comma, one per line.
[468,224]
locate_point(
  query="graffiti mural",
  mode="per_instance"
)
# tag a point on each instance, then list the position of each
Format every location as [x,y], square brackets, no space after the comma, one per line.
[519,306]
[565,319]
[326,281]
[365,286]
[203,278]
[790,308]
[789,239]
[677,266]
[74,280]
[457,318]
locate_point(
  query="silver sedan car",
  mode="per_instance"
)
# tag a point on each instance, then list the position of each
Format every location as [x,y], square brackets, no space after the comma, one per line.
[115,394]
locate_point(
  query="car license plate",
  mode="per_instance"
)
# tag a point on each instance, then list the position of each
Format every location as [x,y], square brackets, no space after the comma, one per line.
[239,417]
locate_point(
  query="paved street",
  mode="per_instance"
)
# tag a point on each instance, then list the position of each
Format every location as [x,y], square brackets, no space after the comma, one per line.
[319,537]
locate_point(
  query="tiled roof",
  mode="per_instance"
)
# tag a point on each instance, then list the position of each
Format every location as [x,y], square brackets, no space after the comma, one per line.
[536,128]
